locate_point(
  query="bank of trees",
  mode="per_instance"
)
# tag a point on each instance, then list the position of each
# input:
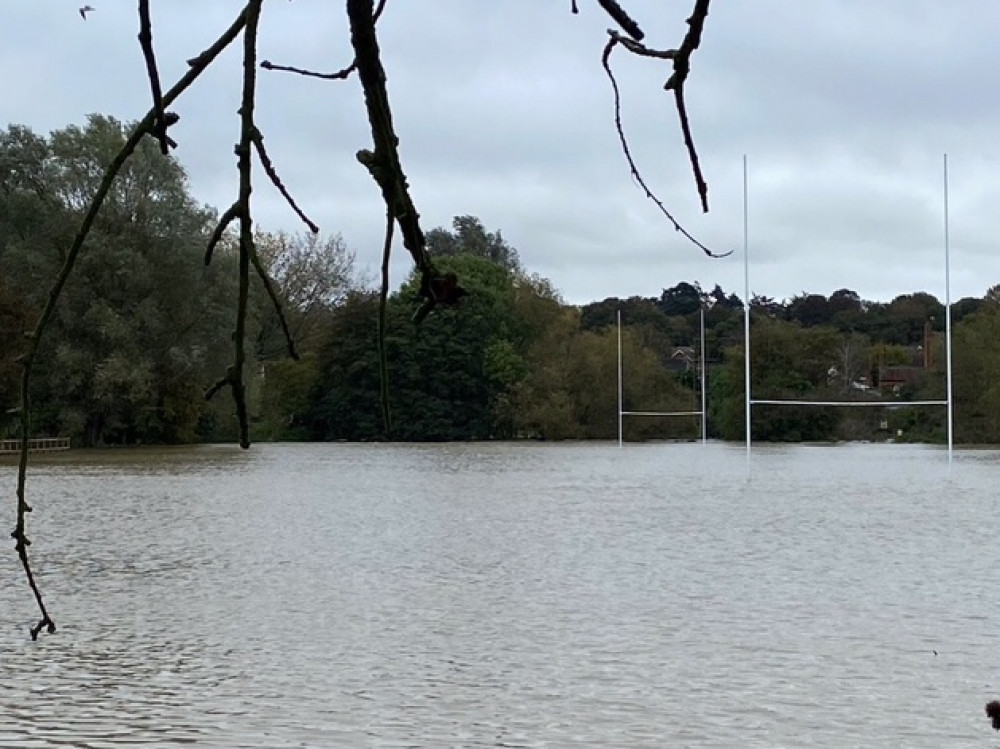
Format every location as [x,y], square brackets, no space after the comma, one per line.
[512,361]
[144,326]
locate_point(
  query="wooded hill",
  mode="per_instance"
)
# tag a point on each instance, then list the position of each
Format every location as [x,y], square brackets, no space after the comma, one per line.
[144,327]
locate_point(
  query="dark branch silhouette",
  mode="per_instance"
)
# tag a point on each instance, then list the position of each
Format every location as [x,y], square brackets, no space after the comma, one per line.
[383,298]
[618,14]
[682,66]
[244,164]
[146,42]
[265,160]
[231,214]
[605,60]
[143,128]
[622,18]
[383,162]
[339,75]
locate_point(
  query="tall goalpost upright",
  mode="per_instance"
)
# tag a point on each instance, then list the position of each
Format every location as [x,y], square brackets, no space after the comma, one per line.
[751,401]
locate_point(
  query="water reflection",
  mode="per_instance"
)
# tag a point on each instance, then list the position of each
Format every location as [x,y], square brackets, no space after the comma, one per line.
[504,595]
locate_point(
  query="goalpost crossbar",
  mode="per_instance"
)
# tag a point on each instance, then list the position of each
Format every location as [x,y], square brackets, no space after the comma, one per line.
[883,404]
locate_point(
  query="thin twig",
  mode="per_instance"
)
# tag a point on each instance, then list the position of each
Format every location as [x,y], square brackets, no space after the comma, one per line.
[146,42]
[641,49]
[231,214]
[605,61]
[275,302]
[210,393]
[198,66]
[265,160]
[383,359]
[699,178]
[340,75]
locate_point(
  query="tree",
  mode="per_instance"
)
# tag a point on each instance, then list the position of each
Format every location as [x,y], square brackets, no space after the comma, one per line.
[469,237]
[311,275]
[790,362]
[682,299]
[852,360]
[809,309]
[133,332]
[977,374]
[449,376]
[908,314]
[344,400]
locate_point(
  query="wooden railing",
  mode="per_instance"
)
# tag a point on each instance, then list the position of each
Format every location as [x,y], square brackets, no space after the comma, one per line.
[39,445]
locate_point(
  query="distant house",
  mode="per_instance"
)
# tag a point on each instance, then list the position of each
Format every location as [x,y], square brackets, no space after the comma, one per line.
[894,378]
[683,359]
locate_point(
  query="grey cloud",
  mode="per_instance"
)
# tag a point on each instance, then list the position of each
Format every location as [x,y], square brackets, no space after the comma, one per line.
[843,106]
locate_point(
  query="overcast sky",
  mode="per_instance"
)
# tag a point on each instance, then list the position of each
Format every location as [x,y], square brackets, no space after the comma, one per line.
[844,109]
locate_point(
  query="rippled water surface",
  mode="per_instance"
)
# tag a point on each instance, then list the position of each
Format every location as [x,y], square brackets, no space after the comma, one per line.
[510,595]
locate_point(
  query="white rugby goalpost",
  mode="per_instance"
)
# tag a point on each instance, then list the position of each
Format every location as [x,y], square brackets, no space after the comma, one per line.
[702,376]
[751,401]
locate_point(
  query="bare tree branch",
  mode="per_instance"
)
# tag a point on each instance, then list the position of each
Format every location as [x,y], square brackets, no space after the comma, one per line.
[275,302]
[146,42]
[258,141]
[622,18]
[383,163]
[338,76]
[231,214]
[144,127]
[605,61]
[244,165]
[682,66]
[383,359]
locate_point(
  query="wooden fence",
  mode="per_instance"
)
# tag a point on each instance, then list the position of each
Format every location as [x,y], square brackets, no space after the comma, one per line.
[40,445]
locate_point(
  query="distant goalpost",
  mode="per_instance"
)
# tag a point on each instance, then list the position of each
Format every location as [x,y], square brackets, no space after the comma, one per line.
[751,401]
[702,374]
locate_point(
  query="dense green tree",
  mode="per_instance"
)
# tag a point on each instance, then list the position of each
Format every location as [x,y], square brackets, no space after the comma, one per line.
[908,314]
[809,310]
[442,385]
[344,401]
[683,299]
[788,362]
[449,377]
[312,277]
[571,391]
[976,368]
[138,332]
[468,236]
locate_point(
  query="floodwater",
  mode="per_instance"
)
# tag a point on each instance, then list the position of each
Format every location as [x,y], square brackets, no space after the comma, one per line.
[506,595]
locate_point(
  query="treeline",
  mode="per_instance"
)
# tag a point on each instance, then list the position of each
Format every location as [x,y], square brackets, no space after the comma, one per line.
[144,327]
[837,348]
